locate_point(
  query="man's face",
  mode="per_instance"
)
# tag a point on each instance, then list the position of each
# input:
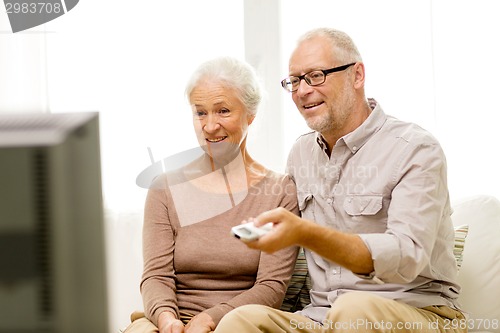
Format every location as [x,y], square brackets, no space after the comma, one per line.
[326,108]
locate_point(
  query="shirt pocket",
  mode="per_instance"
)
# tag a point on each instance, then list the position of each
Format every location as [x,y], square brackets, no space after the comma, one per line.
[306,205]
[365,214]
[362,205]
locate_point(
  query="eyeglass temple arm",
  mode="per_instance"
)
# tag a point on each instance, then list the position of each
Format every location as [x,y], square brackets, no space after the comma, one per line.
[337,69]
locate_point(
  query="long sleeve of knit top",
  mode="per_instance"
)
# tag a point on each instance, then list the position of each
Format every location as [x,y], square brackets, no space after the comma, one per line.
[201,267]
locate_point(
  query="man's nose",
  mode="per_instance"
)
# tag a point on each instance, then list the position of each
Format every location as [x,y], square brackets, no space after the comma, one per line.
[303,88]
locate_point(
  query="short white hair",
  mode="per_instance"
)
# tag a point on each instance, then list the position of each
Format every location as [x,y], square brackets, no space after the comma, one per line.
[343,46]
[234,73]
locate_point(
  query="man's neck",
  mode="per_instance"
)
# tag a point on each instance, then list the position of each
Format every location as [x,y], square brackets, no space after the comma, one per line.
[359,114]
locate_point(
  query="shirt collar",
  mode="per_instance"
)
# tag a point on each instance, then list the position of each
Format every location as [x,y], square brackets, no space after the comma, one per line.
[320,140]
[357,138]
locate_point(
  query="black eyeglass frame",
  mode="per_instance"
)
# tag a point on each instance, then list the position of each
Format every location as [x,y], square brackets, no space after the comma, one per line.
[324,71]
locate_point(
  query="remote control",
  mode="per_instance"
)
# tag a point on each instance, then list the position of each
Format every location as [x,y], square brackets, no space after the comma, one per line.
[249,232]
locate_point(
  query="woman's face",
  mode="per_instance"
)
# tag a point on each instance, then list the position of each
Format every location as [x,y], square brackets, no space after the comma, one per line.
[220,119]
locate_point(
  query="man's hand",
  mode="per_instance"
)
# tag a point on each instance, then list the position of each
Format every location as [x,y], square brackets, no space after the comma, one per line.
[287,230]
[201,323]
[348,250]
[168,323]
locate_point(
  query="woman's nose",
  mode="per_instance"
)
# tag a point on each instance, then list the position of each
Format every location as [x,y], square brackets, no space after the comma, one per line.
[212,124]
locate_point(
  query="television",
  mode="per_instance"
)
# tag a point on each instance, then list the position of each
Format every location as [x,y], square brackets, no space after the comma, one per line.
[52,246]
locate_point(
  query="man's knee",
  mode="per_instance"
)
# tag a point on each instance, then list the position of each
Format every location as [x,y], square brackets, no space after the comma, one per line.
[357,299]
[246,313]
[244,310]
[355,305]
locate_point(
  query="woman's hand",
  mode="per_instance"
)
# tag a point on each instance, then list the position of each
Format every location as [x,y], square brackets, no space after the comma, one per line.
[168,323]
[201,323]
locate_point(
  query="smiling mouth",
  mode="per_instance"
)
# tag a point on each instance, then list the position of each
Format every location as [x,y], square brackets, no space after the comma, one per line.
[216,139]
[313,105]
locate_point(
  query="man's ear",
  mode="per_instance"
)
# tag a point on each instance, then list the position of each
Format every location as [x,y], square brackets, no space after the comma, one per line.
[359,75]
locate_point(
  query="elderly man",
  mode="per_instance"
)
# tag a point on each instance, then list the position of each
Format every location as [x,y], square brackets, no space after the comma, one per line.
[375,213]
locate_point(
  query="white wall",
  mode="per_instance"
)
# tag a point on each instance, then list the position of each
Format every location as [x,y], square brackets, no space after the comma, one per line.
[466,50]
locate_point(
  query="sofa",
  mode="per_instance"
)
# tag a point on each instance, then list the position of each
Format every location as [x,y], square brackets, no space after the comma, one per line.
[479,274]
[477,251]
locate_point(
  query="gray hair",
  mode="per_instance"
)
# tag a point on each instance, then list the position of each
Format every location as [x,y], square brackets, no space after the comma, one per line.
[234,73]
[342,45]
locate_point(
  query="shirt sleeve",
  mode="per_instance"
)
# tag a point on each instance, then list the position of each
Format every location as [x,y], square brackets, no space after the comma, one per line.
[158,280]
[419,202]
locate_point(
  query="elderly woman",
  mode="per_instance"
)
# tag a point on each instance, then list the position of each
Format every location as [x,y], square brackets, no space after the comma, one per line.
[195,271]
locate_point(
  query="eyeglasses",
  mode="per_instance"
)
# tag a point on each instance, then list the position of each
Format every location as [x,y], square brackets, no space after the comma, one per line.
[313,78]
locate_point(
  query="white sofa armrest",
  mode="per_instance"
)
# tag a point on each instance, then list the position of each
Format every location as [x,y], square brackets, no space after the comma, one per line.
[479,275]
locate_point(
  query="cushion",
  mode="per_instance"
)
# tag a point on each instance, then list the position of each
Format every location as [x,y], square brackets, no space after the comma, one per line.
[297,294]
[458,246]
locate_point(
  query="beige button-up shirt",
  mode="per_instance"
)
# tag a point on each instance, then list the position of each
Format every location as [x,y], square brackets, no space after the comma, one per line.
[386,181]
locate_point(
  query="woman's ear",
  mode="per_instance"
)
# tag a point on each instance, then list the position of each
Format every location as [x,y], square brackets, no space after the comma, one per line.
[250,118]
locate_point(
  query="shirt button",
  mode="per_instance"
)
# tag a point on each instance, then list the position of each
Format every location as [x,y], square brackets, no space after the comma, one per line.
[334,271]
[329,201]
[355,148]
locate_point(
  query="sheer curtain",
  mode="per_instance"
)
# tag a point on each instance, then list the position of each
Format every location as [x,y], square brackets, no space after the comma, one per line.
[130,61]
[23,72]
